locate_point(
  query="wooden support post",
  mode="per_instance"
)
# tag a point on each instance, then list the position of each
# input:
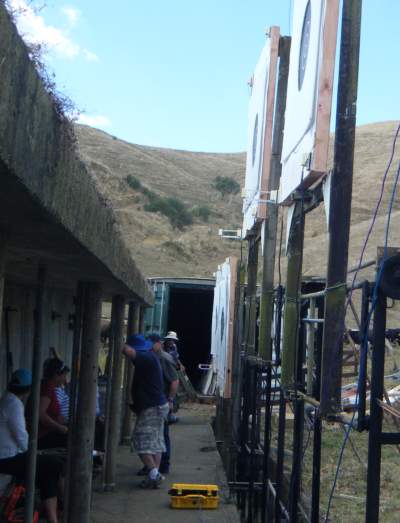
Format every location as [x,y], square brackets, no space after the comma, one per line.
[310,348]
[340,208]
[35,395]
[76,353]
[83,434]
[292,306]
[251,297]
[2,273]
[237,353]
[132,328]
[271,222]
[117,320]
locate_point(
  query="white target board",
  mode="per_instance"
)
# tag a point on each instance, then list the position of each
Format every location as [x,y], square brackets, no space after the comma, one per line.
[222,324]
[309,96]
[261,112]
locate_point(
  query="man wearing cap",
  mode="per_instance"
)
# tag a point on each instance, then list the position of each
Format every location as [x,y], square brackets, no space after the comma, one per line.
[150,406]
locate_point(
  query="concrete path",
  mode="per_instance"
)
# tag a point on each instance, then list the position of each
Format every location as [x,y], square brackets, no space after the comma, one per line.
[194,460]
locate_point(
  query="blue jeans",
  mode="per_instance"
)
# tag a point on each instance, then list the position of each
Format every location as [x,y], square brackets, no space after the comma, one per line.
[164,466]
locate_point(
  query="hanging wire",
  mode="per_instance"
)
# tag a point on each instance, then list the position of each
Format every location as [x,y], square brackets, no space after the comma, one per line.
[374,299]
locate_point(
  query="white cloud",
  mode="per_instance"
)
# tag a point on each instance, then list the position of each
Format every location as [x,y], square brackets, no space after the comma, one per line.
[90,57]
[72,14]
[35,31]
[94,120]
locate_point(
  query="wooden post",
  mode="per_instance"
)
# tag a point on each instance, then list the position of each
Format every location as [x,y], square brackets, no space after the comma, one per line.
[132,328]
[310,348]
[271,222]
[292,305]
[237,353]
[76,353]
[340,209]
[2,273]
[251,297]
[117,320]
[35,395]
[83,434]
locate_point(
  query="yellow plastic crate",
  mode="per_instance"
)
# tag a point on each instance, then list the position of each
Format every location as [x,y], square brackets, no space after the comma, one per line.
[192,495]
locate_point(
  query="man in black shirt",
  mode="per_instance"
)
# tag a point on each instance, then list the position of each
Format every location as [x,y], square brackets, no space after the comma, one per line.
[171,383]
[150,406]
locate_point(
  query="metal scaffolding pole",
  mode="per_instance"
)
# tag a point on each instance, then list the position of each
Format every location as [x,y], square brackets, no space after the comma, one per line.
[117,320]
[83,434]
[35,395]
[340,208]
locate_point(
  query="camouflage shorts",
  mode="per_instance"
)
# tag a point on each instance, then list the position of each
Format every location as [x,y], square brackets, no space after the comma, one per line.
[148,434]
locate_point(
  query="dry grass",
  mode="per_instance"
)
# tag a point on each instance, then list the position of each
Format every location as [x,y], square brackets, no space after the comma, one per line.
[190,176]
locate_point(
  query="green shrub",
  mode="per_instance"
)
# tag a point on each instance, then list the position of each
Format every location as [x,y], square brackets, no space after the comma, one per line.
[133,182]
[173,208]
[202,211]
[226,185]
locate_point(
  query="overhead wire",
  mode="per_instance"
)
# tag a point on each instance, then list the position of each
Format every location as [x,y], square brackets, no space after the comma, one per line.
[374,299]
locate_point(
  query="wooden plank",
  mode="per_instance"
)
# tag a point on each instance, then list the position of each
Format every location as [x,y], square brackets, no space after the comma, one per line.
[325,88]
[274,35]
[233,262]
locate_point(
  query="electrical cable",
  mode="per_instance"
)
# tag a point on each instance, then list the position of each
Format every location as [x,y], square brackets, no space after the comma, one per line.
[374,299]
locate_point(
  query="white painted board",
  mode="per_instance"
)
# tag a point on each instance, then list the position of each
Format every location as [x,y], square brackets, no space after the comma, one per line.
[259,132]
[309,96]
[219,338]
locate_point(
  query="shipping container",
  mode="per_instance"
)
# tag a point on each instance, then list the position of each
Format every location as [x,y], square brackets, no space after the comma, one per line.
[184,305]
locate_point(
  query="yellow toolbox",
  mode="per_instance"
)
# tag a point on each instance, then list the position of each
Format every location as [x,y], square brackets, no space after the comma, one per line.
[189,495]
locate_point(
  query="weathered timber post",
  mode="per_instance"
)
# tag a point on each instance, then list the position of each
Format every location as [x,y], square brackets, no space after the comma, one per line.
[76,352]
[132,328]
[251,297]
[83,435]
[35,395]
[237,353]
[271,222]
[2,272]
[340,208]
[117,320]
[311,348]
[292,298]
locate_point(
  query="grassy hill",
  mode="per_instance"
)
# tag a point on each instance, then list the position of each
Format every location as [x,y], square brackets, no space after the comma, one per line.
[161,250]
[158,248]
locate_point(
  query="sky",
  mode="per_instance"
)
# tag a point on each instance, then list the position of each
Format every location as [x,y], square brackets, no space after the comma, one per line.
[174,73]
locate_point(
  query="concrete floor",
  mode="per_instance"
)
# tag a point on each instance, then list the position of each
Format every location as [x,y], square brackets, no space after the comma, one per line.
[194,460]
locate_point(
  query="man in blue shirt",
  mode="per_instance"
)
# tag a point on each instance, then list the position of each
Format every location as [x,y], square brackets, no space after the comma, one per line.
[150,406]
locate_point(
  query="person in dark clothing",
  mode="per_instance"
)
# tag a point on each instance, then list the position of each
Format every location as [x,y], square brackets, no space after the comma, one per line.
[14,444]
[150,406]
[171,384]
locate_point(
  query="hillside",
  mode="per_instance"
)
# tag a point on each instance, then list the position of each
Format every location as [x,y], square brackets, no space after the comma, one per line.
[161,250]
[158,248]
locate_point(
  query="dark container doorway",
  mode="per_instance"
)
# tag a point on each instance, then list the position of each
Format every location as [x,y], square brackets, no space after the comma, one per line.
[190,315]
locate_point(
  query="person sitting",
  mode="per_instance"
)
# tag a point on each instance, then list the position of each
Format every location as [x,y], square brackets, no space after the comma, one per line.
[14,444]
[53,430]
